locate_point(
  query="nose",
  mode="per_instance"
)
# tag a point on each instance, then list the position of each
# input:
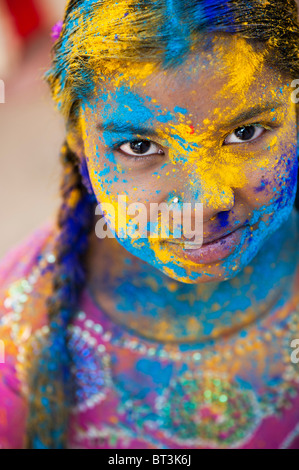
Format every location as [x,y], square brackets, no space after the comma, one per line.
[214,196]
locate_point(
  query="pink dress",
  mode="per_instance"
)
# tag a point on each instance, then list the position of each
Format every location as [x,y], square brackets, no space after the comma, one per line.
[133,393]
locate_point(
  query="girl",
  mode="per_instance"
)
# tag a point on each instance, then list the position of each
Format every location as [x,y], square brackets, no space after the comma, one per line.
[116,339]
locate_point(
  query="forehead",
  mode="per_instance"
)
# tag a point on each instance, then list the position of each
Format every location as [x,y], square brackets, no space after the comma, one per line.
[230,75]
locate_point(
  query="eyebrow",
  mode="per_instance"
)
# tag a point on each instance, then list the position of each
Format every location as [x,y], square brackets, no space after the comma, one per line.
[253,112]
[123,127]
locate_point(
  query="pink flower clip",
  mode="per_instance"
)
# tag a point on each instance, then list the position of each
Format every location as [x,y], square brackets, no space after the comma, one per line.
[56,30]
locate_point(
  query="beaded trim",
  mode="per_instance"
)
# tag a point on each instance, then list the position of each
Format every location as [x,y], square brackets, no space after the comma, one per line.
[145,348]
[18,296]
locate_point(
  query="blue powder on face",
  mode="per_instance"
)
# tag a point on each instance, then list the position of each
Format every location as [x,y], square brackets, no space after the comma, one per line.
[177,109]
[223,218]
[262,186]
[130,107]
[164,118]
[104,172]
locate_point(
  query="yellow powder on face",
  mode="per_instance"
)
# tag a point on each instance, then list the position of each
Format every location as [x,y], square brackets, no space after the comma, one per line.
[216,169]
[165,255]
[133,73]
[242,63]
[170,272]
[213,170]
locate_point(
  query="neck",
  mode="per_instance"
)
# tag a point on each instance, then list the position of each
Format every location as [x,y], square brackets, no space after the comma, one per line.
[144,300]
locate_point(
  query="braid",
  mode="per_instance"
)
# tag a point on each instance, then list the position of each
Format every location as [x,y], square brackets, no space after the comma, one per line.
[51,390]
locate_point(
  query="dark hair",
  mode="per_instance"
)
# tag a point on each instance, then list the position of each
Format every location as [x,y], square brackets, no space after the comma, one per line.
[161,31]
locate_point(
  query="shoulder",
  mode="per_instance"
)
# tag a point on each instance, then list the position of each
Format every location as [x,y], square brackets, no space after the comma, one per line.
[22,311]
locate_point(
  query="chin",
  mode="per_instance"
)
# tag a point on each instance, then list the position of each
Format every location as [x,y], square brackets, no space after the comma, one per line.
[202,275]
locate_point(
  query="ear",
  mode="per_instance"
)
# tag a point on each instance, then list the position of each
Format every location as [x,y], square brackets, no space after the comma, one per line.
[75,139]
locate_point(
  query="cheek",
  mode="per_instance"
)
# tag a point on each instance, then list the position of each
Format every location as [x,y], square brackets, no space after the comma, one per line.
[102,182]
[277,185]
[273,200]
[126,208]
[106,176]
[286,177]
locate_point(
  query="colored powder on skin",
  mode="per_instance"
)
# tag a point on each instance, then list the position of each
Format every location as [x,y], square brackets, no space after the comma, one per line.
[223,218]
[161,254]
[200,158]
[198,154]
[177,109]
[246,63]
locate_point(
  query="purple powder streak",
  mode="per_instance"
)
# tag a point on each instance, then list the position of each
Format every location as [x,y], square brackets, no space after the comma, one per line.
[56,30]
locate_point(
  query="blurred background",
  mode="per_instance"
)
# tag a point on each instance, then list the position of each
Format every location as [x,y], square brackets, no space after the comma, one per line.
[31,131]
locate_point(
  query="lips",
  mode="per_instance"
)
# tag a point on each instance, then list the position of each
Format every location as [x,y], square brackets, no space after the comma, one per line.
[211,239]
[214,249]
[206,241]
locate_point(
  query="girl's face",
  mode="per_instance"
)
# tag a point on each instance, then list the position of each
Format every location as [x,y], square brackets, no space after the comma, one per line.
[220,130]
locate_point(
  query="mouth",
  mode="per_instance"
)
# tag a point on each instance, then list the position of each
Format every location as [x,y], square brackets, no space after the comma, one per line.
[212,249]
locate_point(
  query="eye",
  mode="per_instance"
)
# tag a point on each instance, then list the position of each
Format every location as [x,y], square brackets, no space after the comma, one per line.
[245,134]
[141,147]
